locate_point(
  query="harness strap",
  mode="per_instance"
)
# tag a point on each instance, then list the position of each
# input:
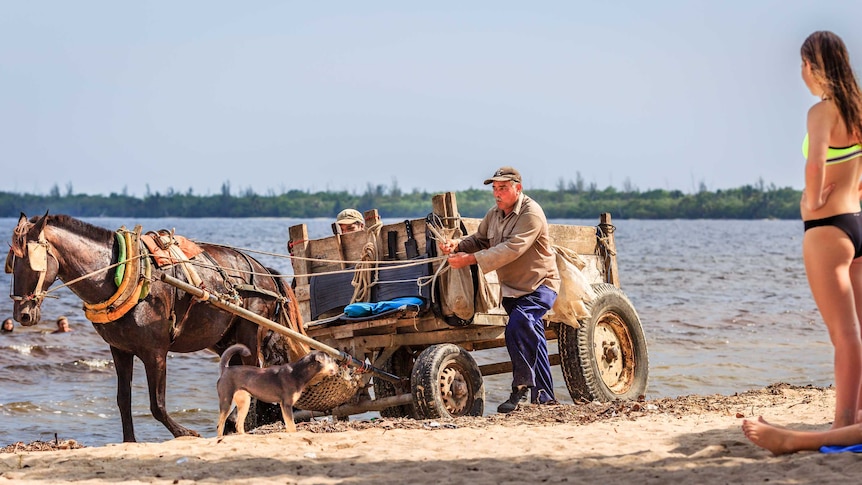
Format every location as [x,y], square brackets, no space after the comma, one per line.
[43,247]
[121,246]
[227,283]
[255,289]
[130,289]
[191,274]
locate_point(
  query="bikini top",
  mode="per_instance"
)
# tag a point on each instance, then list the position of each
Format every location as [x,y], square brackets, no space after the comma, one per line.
[836,155]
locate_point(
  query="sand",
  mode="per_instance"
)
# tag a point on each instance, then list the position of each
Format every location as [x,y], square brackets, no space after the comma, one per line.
[691,439]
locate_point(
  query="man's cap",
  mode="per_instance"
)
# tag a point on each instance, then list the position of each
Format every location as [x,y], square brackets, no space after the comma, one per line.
[349,216]
[504,174]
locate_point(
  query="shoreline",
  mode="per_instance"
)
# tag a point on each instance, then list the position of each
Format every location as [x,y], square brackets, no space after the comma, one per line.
[693,439]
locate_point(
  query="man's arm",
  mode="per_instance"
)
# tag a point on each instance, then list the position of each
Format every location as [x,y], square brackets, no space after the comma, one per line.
[523,235]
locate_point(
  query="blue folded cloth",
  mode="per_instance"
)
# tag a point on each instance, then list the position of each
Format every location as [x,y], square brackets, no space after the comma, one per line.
[362,309]
[841,449]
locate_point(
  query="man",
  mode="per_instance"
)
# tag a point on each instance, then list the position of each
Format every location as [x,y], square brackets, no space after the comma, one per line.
[62,325]
[349,220]
[513,240]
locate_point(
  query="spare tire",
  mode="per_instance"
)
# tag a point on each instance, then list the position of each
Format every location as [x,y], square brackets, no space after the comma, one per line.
[606,358]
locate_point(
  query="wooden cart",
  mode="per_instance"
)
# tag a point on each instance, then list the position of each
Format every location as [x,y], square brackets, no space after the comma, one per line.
[603,357]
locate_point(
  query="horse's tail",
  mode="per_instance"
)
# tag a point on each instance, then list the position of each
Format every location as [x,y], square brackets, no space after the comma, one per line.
[288,314]
[233,349]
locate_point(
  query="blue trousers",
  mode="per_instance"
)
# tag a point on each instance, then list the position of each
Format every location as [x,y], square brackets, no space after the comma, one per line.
[525,341]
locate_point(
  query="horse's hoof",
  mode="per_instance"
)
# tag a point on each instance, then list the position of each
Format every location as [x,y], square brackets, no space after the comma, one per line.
[186,433]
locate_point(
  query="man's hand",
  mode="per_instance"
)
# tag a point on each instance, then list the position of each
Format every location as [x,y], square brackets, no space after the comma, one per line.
[448,246]
[461,260]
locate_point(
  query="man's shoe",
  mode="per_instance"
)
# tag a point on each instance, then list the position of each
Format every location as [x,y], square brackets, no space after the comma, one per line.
[544,399]
[518,394]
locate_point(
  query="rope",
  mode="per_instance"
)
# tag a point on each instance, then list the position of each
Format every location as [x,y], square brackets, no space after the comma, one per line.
[369,262]
[347,262]
[362,281]
[603,248]
[92,273]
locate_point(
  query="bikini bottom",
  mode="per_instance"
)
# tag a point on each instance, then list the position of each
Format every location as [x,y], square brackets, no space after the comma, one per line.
[851,224]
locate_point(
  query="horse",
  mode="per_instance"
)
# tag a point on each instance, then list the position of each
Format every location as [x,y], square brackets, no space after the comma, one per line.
[81,255]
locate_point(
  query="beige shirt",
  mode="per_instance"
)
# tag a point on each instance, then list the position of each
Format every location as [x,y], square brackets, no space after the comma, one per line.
[517,246]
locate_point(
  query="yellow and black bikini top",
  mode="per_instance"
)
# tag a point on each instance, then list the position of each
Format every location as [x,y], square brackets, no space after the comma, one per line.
[836,155]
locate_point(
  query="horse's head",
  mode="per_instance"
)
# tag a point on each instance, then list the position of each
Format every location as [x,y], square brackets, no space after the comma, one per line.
[33,267]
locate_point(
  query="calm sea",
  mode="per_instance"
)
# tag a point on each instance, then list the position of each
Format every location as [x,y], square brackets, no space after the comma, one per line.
[724,304]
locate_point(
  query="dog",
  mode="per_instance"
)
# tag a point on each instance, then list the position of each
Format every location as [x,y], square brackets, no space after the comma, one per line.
[282,384]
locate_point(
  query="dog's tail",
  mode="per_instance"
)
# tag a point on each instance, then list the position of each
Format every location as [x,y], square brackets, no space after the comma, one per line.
[229,353]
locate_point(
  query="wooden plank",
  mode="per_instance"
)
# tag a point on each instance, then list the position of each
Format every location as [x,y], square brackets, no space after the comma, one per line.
[324,252]
[401,229]
[452,214]
[353,246]
[372,217]
[611,252]
[341,327]
[454,335]
[581,239]
[301,292]
[297,245]
[506,367]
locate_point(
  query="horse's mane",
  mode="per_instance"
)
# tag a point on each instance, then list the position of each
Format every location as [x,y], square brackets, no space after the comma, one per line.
[79,227]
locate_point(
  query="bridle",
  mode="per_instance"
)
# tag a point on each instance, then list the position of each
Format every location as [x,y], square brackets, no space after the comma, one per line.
[38,255]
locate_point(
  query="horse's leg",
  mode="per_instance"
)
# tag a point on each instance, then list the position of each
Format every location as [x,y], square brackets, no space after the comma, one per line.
[156,366]
[124,365]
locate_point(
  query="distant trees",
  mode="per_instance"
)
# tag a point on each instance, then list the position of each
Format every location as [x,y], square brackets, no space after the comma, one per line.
[570,200]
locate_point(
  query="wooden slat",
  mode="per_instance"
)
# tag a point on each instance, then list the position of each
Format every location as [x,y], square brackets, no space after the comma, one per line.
[297,245]
[506,367]
[612,270]
[581,239]
[324,251]
[457,335]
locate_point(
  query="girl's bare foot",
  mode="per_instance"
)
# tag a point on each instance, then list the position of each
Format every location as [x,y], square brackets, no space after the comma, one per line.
[777,440]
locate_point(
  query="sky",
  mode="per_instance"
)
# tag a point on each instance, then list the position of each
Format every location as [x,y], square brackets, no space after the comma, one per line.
[101,97]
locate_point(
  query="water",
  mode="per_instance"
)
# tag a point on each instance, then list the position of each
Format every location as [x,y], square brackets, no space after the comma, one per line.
[724,304]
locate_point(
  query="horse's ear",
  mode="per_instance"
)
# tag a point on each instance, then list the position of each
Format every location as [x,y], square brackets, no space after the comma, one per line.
[39,226]
[19,236]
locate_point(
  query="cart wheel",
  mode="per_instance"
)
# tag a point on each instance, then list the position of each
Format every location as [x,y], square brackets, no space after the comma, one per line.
[399,364]
[446,382]
[606,358]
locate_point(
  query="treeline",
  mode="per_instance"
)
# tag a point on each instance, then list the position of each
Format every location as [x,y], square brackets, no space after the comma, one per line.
[571,201]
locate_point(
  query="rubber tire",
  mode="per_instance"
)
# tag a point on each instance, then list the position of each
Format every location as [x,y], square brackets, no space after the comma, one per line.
[400,364]
[428,401]
[578,359]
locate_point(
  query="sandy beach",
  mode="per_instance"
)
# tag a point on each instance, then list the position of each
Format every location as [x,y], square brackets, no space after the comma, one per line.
[690,439]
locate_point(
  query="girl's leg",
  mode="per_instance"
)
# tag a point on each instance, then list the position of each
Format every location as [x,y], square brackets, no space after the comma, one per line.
[828,253]
[856,281]
[781,441]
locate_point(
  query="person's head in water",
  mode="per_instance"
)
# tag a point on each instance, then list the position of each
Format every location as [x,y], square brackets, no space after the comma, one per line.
[8,325]
[350,220]
[62,325]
